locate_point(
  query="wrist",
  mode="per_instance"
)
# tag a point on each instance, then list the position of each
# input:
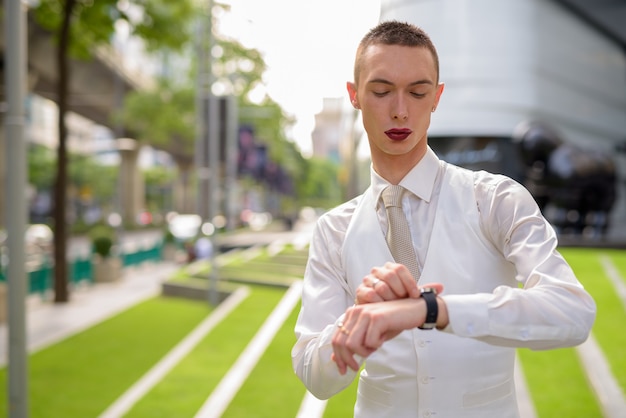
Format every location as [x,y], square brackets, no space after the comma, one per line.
[442,318]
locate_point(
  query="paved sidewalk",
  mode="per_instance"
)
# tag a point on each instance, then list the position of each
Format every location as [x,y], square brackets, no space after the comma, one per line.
[48,322]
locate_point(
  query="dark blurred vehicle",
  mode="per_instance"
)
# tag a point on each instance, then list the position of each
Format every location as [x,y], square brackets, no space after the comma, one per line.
[575,187]
[578,184]
[38,243]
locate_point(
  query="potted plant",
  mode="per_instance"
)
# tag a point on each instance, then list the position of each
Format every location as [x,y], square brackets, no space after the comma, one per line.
[169,249]
[106,266]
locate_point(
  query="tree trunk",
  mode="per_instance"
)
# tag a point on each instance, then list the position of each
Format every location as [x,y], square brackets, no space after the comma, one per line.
[61,293]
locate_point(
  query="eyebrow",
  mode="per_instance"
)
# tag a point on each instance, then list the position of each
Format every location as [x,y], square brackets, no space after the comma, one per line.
[414,83]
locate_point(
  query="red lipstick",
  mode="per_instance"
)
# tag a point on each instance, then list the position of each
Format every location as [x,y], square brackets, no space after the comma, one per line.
[398,134]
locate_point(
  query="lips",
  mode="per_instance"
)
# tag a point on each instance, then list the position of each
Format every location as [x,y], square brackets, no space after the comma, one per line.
[398,134]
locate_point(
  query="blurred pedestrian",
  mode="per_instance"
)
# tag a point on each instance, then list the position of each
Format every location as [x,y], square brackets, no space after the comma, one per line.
[428,287]
[203,248]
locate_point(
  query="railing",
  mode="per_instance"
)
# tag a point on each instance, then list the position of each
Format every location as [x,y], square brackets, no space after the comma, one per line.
[80,269]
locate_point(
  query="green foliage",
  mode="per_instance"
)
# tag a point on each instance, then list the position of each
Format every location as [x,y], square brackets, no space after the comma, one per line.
[320,184]
[168,237]
[102,246]
[163,117]
[41,162]
[93,22]
[85,173]
[237,68]
[159,182]
[92,179]
[102,238]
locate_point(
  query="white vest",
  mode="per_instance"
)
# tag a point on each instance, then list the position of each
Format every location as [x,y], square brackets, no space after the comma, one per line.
[421,373]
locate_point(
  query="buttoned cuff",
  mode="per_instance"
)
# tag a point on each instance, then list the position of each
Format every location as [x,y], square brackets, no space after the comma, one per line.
[468,315]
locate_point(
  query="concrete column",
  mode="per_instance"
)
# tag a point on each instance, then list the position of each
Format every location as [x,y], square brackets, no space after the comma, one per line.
[131,181]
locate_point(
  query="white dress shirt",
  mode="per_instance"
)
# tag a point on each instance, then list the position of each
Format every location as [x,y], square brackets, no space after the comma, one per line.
[539,305]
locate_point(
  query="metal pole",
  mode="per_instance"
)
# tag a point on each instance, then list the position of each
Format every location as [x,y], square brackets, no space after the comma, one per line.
[207,139]
[15,83]
[232,131]
[213,149]
[201,103]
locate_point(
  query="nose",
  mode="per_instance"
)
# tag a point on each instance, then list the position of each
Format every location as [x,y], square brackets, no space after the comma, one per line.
[400,111]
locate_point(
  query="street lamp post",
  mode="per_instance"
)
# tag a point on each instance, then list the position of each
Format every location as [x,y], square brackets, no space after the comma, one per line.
[207,138]
[15,120]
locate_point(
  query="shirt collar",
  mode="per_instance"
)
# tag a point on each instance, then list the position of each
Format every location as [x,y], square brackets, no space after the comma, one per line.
[420,180]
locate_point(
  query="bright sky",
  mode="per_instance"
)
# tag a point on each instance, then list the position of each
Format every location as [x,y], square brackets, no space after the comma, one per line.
[308,47]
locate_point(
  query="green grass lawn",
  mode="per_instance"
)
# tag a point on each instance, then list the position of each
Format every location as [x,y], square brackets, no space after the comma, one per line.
[267,392]
[555,377]
[82,375]
[187,386]
[93,368]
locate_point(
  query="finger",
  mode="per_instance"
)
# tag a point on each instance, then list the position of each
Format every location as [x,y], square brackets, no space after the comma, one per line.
[341,366]
[437,286]
[409,284]
[385,278]
[366,294]
[398,279]
[356,342]
[338,344]
[343,341]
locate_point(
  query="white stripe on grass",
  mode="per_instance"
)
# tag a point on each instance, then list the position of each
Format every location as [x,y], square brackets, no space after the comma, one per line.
[228,387]
[125,402]
[616,279]
[311,407]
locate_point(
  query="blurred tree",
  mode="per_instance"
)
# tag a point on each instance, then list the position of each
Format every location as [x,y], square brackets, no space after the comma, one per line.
[92,180]
[320,186]
[164,117]
[41,162]
[159,181]
[80,26]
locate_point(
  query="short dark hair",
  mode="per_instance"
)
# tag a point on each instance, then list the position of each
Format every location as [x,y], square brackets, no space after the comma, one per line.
[394,32]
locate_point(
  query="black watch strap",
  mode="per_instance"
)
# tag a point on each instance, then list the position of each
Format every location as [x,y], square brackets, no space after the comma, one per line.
[432,309]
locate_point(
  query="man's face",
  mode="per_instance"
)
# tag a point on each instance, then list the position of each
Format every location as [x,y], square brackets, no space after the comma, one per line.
[396,91]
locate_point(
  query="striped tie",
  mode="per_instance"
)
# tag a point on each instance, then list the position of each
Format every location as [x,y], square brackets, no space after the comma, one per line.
[398,233]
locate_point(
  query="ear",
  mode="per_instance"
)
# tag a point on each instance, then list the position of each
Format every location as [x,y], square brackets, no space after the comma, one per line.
[352,94]
[438,94]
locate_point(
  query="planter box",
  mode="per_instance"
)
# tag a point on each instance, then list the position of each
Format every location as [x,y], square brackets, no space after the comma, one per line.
[170,252]
[3,302]
[107,269]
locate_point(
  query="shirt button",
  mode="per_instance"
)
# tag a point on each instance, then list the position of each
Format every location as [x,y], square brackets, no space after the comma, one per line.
[421,343]
[426,414]
[425,380]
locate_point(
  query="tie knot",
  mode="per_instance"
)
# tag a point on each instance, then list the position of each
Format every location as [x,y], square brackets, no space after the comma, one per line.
[392,196]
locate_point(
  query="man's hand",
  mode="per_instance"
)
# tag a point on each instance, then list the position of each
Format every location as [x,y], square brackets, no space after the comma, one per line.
[366,327]
[389,282]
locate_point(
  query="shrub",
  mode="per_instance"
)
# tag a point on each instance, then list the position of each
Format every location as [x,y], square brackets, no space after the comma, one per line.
[102,237]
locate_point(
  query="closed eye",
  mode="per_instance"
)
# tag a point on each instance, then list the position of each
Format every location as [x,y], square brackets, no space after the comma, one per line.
[418,95]
[380,93]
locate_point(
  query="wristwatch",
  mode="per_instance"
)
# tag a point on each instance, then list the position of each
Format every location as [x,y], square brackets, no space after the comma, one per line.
[432,309]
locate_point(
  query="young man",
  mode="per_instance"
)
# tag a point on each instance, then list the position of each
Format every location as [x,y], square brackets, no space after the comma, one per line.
[496,279]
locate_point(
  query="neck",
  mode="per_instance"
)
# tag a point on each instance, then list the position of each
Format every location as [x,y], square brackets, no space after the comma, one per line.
[394,168]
